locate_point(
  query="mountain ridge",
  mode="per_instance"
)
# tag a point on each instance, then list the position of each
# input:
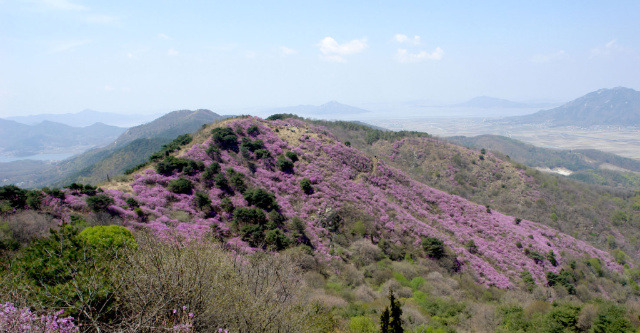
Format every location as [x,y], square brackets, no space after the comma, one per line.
[616,106]
[326,109]
[85,118]
[331,167]
[22,140]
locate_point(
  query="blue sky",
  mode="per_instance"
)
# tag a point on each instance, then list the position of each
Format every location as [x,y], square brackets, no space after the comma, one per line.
[59,56]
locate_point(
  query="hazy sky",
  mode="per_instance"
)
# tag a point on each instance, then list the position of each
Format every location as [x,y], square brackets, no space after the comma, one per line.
[59,56]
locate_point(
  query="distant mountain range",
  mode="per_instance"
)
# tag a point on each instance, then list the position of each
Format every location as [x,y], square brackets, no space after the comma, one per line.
[327,109]
[617,106]
[18,139]
[86,118]
[486,102]
[129,149]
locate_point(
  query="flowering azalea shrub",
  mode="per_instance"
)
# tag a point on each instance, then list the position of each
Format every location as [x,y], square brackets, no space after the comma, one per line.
[309,176]
[22,320]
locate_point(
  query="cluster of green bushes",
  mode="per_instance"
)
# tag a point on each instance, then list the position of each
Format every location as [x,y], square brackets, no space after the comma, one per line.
[172,164]
[13,197]
[224,138]
[256,147]
[83,188]
[165,151]
[172,146]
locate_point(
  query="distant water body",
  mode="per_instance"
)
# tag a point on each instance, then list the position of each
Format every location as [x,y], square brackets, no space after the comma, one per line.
[38,157]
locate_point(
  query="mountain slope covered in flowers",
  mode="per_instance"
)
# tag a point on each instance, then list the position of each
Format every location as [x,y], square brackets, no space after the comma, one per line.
[271,184]
[606,217]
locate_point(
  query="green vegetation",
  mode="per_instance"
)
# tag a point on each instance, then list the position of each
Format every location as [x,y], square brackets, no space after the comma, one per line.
[84,189]
[433,247]
[172,164]
[292,156]
[99,203]
[171,147]
[305,185]
[391,317]
[108,238]
[261,198]
[180,186]
[225,138]
[285,165]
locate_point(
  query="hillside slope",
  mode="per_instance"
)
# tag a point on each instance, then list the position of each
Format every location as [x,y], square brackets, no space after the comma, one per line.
[587,165]
[575,160]
[606,217]
[351,194]
[168,126]
[617,106]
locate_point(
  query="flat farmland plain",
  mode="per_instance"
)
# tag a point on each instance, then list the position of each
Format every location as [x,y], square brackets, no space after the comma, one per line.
[620,140]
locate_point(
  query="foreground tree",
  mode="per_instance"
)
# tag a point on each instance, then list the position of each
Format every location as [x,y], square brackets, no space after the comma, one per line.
[391,318]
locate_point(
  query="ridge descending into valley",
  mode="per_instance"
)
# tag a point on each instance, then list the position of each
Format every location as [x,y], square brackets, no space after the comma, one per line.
[391,206]
[607,217]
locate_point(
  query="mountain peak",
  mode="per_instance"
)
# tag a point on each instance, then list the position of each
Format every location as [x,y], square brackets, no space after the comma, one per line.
[609,106]
[491,102]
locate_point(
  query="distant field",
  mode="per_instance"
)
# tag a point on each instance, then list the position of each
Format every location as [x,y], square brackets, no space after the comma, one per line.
[624,141]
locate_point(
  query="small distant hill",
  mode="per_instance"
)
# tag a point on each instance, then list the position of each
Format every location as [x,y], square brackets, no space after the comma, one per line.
[486,102]
[617,106]
[23,140]
[327,109]
[130,149]
[86,118]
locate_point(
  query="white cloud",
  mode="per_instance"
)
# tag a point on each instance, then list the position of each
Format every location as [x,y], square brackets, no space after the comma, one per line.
[545,58]
[62,5]
[333,51]
[109,88]
[172,52]
[285,51]
[163,36]
[67,45]
[404,56]
[608,49]
[400,38]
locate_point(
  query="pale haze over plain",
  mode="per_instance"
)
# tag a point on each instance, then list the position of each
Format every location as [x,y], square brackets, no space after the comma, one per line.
[59,56]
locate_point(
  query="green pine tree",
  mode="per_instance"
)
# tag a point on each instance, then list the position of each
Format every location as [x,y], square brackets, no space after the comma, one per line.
[390,319]
[395,324]
[384,321]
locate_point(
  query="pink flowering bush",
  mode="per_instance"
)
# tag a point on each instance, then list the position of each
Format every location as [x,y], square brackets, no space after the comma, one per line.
[15,320]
